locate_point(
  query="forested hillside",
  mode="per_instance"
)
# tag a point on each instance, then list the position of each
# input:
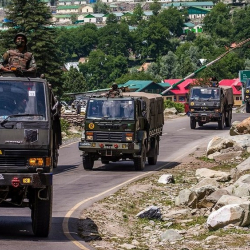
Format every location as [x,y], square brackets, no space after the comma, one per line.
[115,51]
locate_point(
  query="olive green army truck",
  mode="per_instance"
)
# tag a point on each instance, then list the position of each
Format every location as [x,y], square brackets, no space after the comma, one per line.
[211,104]
[123,127]
[247,95]
[30,135]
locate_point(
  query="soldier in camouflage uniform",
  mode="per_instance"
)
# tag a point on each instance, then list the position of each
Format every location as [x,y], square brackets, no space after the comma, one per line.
[115,91]
[18,58]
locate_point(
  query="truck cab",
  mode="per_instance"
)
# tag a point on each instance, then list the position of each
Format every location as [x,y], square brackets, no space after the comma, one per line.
[30,136]
[210,104]
[126,127]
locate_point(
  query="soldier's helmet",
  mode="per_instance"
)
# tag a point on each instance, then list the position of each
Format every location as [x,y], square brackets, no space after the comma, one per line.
[20,34]
[114,86]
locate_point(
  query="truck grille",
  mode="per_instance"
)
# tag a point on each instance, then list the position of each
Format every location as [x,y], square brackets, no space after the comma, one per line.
[117,137]
[12,162]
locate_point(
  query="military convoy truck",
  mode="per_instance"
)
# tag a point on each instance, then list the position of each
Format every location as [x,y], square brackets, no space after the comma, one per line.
[123,127]
[211,104]
[30,136]
[247,95]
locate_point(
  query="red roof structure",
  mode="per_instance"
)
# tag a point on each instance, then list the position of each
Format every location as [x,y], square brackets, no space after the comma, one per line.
[182,88]
[234,83]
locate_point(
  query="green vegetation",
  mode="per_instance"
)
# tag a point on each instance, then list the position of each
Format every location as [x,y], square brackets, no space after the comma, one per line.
[64,125]
[115,50]
[178,106]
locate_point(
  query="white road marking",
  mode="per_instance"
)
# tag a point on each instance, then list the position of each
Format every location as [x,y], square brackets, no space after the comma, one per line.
[65,224]
[181,129]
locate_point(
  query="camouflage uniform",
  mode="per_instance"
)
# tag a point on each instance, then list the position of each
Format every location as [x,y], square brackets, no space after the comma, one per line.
[14,58]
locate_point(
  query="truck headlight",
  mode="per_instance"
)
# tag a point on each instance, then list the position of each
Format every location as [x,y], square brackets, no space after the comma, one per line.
[129,136]
[192,110]
[36,162]
[89,136]
[247,96]
[216,110]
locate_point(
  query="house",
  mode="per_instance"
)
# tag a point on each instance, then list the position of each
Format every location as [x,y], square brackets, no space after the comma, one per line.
[192,27]
[197,12]
[62,19]
[67,9]
[237,89]
[86,9]
[90,18]
[147,86]
[181,5]
[64,2]
[180,92]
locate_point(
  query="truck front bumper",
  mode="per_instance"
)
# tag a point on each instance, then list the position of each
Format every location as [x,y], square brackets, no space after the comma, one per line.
[205,117]
[36,180]
[110,148]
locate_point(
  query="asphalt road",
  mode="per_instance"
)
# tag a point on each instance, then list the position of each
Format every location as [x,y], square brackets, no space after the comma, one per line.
[76,189]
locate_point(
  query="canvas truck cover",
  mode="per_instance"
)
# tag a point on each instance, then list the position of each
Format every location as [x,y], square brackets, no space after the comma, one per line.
[228,92]
[154,106]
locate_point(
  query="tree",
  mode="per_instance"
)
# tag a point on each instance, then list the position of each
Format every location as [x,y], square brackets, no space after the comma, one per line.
[33,18]
[172,19]
[155,7]
[100,7]
[73,81]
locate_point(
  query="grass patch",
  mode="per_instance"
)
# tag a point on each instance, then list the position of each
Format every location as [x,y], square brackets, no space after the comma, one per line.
[205,158]
[224,167]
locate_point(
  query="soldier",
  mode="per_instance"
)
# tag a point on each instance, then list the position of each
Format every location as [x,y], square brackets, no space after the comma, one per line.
[18,58]
[115,91]
[214,82]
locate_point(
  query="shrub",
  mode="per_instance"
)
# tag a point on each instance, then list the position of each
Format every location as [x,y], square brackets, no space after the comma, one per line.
[64,125]
[178,106]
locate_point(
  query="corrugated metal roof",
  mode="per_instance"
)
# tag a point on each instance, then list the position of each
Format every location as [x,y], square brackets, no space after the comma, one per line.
[188,4]
[232,83]
[66,7]
[136,84]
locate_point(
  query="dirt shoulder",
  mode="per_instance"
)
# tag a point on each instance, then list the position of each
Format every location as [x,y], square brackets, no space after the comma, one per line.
[112,223]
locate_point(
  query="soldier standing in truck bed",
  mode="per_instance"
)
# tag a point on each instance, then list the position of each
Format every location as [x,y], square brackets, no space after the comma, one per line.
[115,91]
[18,58]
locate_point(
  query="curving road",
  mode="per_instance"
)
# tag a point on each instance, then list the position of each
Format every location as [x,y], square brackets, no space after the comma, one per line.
[76,189]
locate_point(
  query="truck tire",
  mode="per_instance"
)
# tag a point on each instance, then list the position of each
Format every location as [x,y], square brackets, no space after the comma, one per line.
[200,123]
[88,162]
[139,162]
[41,212]
[247,107]
[228,120]
[55,158]
[153,160]
[221,122]
[192,123]
[105,161]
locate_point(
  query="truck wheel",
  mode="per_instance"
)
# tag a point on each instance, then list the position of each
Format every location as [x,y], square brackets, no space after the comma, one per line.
[41,212]
[228,120]
[55,158]
[139,162]
[88,162]
[105,161]
[221,122]
[200,123]
[247,107]
[192,123]
[153,160]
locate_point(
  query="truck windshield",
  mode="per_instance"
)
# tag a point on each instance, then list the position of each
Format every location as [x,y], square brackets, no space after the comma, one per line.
[110,109]
[22,97]
[205,94]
